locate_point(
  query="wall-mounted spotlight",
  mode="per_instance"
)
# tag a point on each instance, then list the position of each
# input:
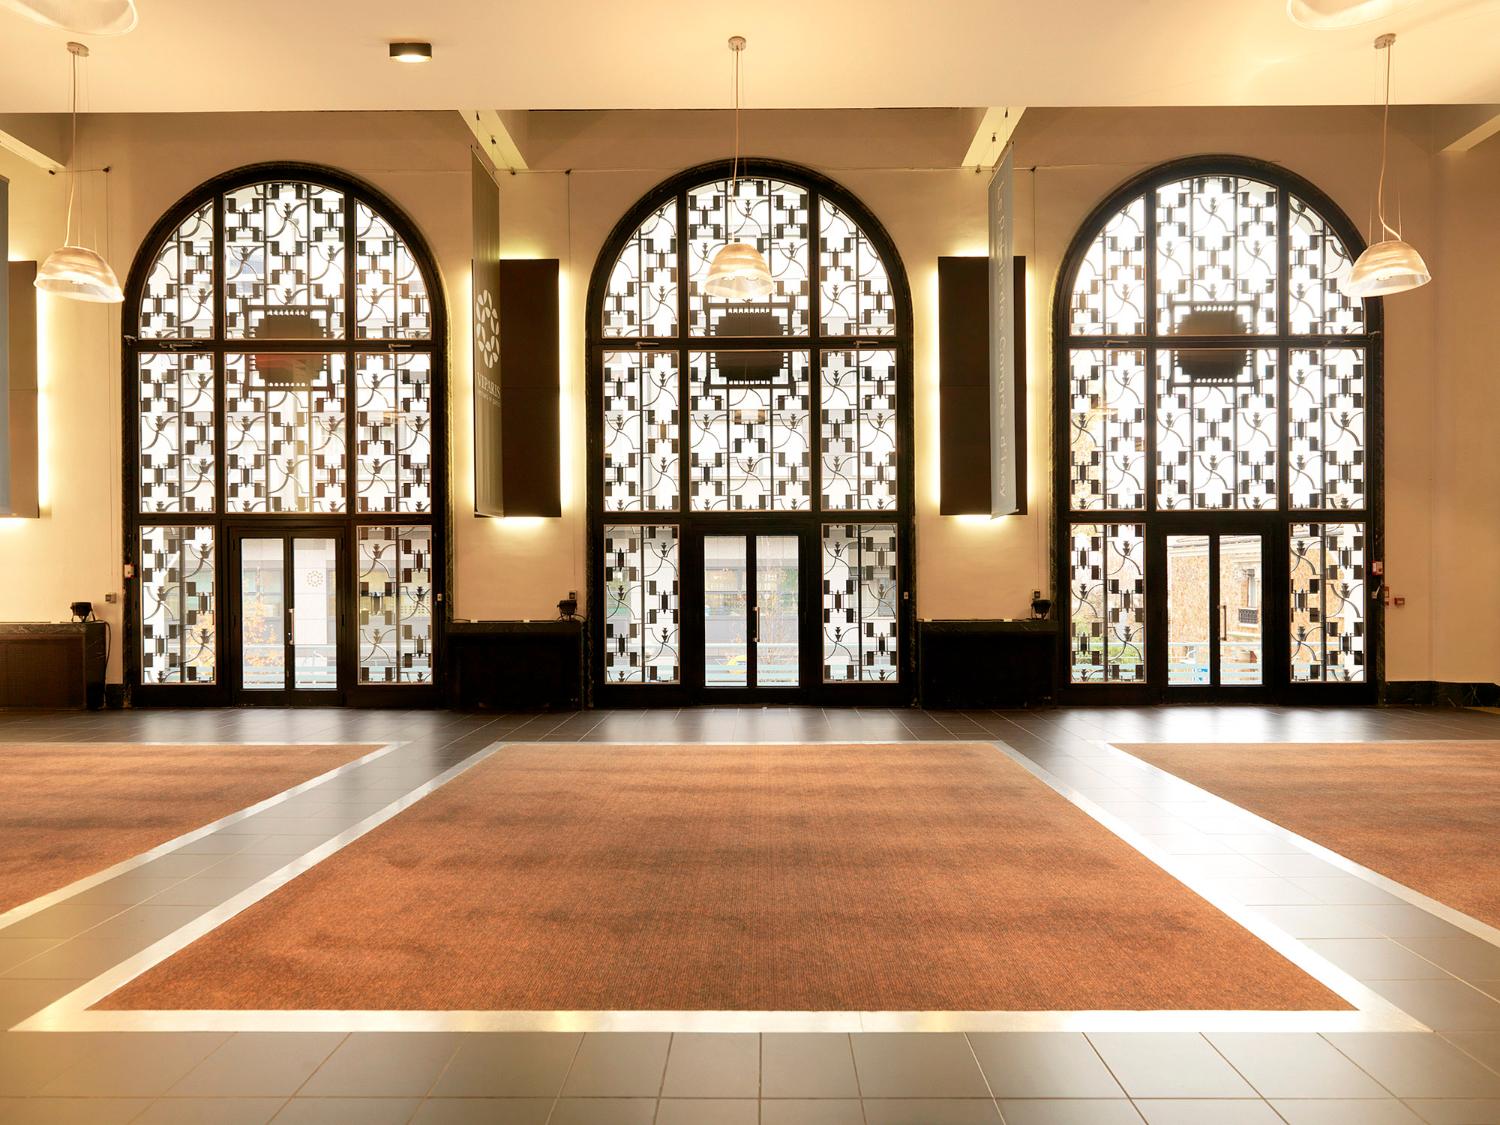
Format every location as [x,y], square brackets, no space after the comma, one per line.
[411,52]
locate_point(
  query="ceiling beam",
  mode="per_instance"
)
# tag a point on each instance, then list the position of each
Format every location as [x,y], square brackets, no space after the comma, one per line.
[1464,126]
[992,135]
[501,134]
[40,138]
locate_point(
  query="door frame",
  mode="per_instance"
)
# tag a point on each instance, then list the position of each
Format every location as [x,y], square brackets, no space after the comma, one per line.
[231,654]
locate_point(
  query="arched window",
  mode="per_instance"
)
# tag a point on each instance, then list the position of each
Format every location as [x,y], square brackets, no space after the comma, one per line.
[750,487]
[1218,442]
[284,475]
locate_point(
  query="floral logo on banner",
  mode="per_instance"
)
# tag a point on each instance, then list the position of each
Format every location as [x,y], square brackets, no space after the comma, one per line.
[487,325]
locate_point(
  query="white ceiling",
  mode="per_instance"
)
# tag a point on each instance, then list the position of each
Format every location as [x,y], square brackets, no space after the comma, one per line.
[200,55]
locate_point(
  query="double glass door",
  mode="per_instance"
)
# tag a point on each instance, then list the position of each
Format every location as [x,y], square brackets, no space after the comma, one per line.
[751,642]
[1211,642]
[287,617]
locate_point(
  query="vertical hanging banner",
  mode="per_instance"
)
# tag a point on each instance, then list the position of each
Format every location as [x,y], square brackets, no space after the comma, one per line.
[1003,421]
[488,464]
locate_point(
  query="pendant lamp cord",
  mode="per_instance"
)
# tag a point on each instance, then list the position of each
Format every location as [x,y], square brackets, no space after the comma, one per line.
[734,178]
[72,157]
[1385,130]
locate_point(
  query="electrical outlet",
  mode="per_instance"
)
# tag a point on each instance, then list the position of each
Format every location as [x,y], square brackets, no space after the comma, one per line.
[111,598]
[572,595]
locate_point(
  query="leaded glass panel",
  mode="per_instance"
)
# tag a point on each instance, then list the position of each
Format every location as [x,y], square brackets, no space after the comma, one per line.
[176,417]
[393,432]
[749,437]
[1216,256]
[771,215]
[1107,420]
[641,611]
[861,600]
[177,302]
[394,566]
[857,434]
[391,300]
[1109,290]
[641,299]
[284,261]
[1328,602]
[642,432]
[1326,428]
[1107,595]
[1216,438]
[1316,260]
[284,432]
[855,287]
[178,626]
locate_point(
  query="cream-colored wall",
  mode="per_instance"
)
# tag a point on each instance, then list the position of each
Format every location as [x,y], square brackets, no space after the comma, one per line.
[588,169]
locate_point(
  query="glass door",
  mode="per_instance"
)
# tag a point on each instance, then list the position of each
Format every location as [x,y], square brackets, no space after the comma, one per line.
[752,613]
[286,616]
[1211,639]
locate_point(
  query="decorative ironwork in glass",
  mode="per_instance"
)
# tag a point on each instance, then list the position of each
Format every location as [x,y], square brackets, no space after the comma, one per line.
[1328,602]
[178,627]
[178,300]
[641,299]
[284,247]
[1326,428]
[1107,420]
[857,432]
[1316,257]
[861,596]
[390,294]
[1107,595]
[1216,246]
[395,565]
[855,287]
[284,432]
[1216,441]
[176,449]
[642,432]
[769,214]
[1109,294]
[641,610]
[393,432]
[750,437]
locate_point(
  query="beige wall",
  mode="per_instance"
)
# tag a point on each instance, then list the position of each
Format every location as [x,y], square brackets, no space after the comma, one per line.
[588,168]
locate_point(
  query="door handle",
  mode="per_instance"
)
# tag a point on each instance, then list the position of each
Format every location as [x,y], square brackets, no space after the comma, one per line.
[755,625]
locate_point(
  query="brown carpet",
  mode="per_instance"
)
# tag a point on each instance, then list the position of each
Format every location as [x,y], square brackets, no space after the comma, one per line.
[69,809]
[1424,814]
[772,878]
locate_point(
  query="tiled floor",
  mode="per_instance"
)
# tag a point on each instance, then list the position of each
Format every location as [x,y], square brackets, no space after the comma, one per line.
[1425,964]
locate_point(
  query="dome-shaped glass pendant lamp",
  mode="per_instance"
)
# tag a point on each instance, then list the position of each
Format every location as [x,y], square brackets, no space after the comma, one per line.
[73,270]
[1393,264]
[738,271]
[84,17]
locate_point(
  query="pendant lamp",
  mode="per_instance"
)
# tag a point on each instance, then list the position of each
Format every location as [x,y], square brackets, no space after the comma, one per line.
[1391,265]
[75,271]
[1335,15]
[84,17]
[738,271]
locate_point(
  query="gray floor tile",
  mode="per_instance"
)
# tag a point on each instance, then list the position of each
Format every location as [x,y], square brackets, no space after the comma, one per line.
[1069,1111]
[618,1065]
[508,1065]
[931,1111]
[29,1062]
[16,951]
[1443,1005]
[603,1111]
[1025,1065]
[708,1111]
[81,958]
[133,1066]
[1169,1065]
[1376,959]
[1417,1065]
[1221,1111]
[484,1111]
[1483,1045]
[22,998]
[807,1066]
[347,1111]
[713,1066]
[74,1111]
[1466,956]
[917,1065]
[1295,1066]
[382,1065]
[210,1111]
[1321,921]
[1343,1111]
[1458,1111]
[806,1111]
[258,1065]
[203,890]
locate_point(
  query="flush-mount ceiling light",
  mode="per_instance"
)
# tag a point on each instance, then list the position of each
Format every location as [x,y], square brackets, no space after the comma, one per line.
[86,17]
[1334,15]
[1391,265]
[738,271]
[73,270]
[412,52]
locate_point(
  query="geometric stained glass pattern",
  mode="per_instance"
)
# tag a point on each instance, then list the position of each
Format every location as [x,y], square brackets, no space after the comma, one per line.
[284,442]
[1326,428]
[770,215]
[390,296]
[749,440]
[284,250]
[641,610]
[393,432]
[642,295]
[1216,444]
[1316,259]
[178,300]
[1107,587]
[642,428]
[1107,418]
[1327,602]
[176,408]
[860,611]
[856,289]
[1109,293]
[1216,244]
[857,433]
[394,566]
[178,628]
